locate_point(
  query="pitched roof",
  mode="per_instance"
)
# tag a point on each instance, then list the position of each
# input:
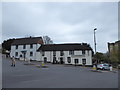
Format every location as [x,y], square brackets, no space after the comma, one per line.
[28,40]
[64,47]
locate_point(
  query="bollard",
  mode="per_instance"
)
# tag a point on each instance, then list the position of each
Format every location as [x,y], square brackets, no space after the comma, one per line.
[111,68]
[94,67]
[43,64]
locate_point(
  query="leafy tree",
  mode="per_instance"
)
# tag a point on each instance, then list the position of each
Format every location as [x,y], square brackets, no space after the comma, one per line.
[101,57]
[6,45]
[115,58]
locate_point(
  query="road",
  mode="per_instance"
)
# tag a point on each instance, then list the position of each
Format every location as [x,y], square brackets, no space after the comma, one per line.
[55,76]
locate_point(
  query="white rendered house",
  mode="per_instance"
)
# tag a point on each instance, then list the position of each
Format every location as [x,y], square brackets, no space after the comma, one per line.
[26,48]
[77,54]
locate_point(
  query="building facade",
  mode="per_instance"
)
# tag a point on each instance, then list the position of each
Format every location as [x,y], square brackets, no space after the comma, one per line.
[25,48]
[114,47]
[77,54]
[114,51]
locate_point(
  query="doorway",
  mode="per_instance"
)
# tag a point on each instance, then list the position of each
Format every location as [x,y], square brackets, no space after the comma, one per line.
[61,60]
[45,59]
[76,61]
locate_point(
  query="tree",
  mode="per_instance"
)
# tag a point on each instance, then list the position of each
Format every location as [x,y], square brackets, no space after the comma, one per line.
[6,45]
[114,58]
[101,57]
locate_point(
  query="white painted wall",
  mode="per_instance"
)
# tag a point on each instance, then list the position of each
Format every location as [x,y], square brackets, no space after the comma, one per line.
[77,55]
[36,55]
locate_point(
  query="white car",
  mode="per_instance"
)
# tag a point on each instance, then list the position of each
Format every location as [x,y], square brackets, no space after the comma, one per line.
[104,66]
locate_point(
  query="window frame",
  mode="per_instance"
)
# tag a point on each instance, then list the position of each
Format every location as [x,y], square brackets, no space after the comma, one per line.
[69,59]
[71,52]
[83,52]
[83,61]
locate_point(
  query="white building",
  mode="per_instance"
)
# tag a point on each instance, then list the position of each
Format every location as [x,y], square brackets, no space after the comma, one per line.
[25,48]
[78,54]
[0,48]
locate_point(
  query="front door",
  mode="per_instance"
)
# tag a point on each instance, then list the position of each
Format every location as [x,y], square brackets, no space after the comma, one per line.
[54,60]
[61,60]
[45,59]
[76,61]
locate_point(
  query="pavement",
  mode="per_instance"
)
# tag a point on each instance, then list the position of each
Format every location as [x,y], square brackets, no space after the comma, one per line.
[54,76]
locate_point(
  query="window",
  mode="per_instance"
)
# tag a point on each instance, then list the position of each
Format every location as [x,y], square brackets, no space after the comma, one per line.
[84,61]
[16,46]
[43,53]
[24,46]
[54,53]
[71,52]
[20,55]
[61,53]
[16,53]
[31,46]
[83,51]
[31,53]
[68,59]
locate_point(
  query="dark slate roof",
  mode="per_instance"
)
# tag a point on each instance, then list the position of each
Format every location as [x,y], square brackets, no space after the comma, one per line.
[28,40]
[64,47]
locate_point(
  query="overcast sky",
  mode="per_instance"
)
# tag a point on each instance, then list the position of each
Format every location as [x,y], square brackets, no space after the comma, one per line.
[63,22]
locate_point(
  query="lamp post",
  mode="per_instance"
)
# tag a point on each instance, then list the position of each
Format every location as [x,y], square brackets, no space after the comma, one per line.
[95,39]
[95,43]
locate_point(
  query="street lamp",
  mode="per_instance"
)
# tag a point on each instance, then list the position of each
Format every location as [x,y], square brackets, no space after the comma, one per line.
[95,39]
[95,42]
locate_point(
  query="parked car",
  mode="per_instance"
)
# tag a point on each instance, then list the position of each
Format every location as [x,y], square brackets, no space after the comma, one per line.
[118,66]
[104,66]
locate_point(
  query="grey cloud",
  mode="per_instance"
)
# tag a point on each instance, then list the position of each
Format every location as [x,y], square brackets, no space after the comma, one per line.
[63,22]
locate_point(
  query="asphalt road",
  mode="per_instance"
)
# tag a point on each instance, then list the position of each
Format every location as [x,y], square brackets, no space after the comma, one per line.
[55,76]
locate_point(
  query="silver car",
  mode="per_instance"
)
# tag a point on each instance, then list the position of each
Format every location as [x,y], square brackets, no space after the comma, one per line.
[104,66]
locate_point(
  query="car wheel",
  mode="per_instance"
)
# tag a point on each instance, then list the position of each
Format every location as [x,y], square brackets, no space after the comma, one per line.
[103,69]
